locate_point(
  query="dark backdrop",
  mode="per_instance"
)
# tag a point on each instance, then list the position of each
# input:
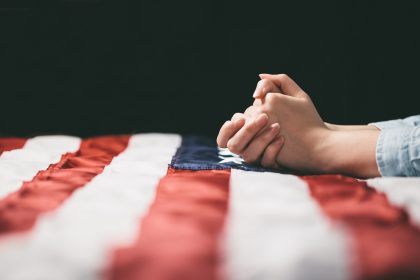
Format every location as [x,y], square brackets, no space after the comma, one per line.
[97,67]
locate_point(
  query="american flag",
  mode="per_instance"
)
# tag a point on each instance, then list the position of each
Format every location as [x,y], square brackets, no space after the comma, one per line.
[165,206]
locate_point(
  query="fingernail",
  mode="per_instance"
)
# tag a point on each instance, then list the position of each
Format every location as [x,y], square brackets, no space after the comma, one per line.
[275,128]
[256,92]
[239,121]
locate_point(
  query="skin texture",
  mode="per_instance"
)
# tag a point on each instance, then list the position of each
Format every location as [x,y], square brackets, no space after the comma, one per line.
[306,143]
[262,142]
[350,127]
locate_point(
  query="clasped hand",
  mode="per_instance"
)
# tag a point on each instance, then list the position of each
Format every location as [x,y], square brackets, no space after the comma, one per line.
[282,127]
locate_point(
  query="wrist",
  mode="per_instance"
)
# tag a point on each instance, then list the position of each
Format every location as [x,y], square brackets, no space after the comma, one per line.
[325,150]
[350,152]
[319,156]
[338,127]
[331,126]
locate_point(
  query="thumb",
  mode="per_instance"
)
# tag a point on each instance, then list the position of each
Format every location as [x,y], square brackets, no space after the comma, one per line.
[285,83]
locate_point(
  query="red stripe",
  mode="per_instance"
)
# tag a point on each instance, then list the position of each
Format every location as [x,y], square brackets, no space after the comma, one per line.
[49,188]
[178,237]
[387,246]
[8,144]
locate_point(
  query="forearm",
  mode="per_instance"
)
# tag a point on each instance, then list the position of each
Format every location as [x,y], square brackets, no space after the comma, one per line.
[351,152]
[350,127]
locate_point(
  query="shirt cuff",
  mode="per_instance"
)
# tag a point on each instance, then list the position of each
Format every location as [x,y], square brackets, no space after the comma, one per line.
[389,124]
[398,152]
[410,122]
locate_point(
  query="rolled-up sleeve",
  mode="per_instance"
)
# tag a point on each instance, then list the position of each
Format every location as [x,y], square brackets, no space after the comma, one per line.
[410,121]
[398,151]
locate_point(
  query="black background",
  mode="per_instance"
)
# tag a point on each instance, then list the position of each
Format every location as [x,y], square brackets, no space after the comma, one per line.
[97,67]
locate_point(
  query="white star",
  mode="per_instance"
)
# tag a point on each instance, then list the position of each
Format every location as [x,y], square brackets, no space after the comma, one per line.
[228,157]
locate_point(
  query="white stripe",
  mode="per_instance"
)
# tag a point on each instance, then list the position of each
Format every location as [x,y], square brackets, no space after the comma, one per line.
[75,242]
[275,230]
[37,154]
[401,192]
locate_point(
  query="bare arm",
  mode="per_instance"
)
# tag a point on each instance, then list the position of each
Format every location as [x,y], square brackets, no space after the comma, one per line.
[350,152]
[350,127]
[310,145]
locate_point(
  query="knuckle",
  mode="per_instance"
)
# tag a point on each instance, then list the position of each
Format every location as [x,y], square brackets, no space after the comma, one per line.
[271,97]
[236,116]
[283,77]
[225,125]
[251,110]
[221,142]
[222,132]
[249,158]
[267,110]
[233,147]
[274,100]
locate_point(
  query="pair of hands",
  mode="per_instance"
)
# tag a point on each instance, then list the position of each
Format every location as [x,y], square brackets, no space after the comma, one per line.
[282,127]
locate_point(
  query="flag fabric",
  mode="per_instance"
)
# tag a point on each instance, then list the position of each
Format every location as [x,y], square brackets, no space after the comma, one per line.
[164,206]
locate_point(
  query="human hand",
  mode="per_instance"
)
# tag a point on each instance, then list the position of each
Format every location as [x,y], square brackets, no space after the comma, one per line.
[310,144]
[303,129]
[249,134]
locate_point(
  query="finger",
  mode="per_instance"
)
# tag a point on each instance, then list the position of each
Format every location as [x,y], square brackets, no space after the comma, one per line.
[252,112]
[229,129]
[264,86]
[254,151]
[257,102]
[270,154]
[237,116]
[284,83]
[241,139]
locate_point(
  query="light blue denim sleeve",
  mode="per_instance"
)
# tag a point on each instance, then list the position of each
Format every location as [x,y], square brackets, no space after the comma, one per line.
[410,121]
[398,147]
